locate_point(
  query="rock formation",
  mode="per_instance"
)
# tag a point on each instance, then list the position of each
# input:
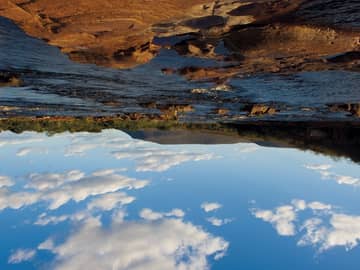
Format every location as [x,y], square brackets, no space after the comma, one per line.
[260,35]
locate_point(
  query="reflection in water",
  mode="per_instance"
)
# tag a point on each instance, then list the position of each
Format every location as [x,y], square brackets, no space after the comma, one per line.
[59,189]
[325,228]
[166,244]
[326,174]
[108,201]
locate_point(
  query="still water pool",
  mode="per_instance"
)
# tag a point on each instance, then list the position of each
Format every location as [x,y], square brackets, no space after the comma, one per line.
[108,201]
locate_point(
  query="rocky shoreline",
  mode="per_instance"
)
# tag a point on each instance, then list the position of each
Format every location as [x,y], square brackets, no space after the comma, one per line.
[257,60]
[276,36]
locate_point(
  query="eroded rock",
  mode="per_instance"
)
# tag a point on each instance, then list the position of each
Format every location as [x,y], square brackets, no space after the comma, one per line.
[260,109]
[118,33]
[260,36]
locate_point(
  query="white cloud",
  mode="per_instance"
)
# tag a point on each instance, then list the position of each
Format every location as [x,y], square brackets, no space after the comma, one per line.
[52,180]
[210,206]
[282,219]
[59,189]
[79,150]
[109,201]
[319,167]
[44,219]
[325,229]
[248,148]
[151,215]
[108,172]
[165,244]
[148,156]
[47,245]
[104,202]
[27,150]
[159,160]
[17,200]
[219,222]
[21,255]
[23,151]
[118,216]
[328,175]
[91,186]
[343,230]
[84,142]
[299,204]
[5,181]
[319,206]
[347,180]
[8,138]
[315,232]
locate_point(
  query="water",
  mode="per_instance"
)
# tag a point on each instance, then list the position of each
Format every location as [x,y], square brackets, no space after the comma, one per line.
[108,201]
[54,85]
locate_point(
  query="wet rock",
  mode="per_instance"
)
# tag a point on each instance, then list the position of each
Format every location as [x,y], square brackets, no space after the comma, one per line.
[8,108]
[260,109]
[211,74]
[222,111]
[168,71]
[205,22]
[281,49]
[9,79]
[352,108]
[198,48]
[112,103]
[344,57]
[222,87]
[149,105]
[199,91]
[133,56]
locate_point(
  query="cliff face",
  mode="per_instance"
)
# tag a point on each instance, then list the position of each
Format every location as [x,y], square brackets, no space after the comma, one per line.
[104,32]
[119,33]
[260,35]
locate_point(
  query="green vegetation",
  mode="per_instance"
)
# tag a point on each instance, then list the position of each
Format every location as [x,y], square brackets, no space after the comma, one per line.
[55,125]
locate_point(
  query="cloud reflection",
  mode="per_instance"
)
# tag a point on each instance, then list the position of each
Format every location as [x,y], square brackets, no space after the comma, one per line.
[21,255]
[59,189]
[149,157]
[159,160]
[5,181]
[161,244]
[326,174]
[210,206]
[28,150]
[149,214]
[8,138]
[324,228]
[219,222]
